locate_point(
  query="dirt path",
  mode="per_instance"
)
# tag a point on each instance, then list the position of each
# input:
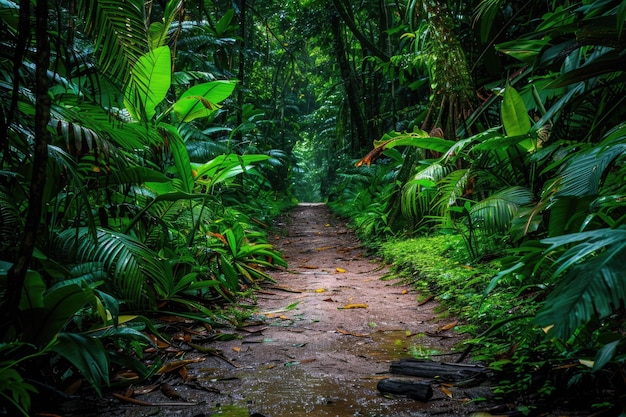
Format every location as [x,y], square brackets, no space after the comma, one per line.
[327,333]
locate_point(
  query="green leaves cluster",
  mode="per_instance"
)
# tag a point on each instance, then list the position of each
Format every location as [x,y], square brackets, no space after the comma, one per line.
[534,177]
[133,222]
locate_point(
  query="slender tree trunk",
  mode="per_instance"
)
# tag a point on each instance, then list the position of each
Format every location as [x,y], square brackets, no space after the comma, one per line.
[17,274]
[242,64]
[357,119]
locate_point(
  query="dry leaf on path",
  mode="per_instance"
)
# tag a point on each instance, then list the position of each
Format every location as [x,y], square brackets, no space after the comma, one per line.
[174,365]
[342,331]
[340,270]
[447,326]
[352,306]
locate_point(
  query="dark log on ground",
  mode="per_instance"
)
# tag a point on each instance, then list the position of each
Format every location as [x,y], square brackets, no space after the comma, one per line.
[416,390]
[429,369]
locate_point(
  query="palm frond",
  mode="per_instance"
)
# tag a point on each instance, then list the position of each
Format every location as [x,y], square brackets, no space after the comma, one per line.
[496,212]
[451,189]
[583,174]
[594,285]
[119,31]
[418,193]
[135,273]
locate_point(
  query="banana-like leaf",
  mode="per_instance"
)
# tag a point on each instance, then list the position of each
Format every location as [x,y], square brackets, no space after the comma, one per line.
[514,114]
[224,167]
[180,155]
[150,80]
[88,355]
[202,100]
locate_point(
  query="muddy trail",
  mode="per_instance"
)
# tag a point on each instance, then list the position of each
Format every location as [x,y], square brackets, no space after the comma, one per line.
[321,338]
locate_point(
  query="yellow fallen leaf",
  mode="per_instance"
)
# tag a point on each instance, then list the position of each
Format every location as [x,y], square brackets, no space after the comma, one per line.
[327,225]
[283,317]
[171,366]
[587,363]
[320,290]
[237,349]
[350,306]
[446,391]
[447,326]
[340,270]
[405,291]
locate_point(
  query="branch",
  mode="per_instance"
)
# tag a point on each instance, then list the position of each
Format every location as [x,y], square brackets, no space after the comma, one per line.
[366,44]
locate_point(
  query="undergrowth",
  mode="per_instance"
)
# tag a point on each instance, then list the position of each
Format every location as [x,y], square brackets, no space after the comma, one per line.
[527,368]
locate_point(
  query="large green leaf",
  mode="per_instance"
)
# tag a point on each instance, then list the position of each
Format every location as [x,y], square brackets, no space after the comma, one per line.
[59,306]
[150,80]
[202,100]
[514,115]
[223,167]
[180,155]
[88,355]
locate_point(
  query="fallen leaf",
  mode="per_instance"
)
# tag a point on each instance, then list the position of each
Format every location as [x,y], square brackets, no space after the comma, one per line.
[325,248]
[143,390]
[340,270]
[320,290]
[405,291]
[237,349]
[447,326]
[329,300]
[446,391]
[351,306]
[170,392]
[172,366]
[342,331]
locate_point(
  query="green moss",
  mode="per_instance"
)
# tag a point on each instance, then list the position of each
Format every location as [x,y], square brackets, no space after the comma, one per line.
[437,265]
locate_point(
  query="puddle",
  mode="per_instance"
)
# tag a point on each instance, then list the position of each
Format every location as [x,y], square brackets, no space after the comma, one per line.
[293,391]
[390,345]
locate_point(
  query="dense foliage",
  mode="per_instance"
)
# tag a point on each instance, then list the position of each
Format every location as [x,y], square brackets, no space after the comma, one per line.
[528,171]
[145,149]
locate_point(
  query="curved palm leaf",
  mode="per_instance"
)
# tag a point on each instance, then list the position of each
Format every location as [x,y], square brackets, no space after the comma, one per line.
[135,272]
[595,284]
[119,31]
[496,212]
[418,193]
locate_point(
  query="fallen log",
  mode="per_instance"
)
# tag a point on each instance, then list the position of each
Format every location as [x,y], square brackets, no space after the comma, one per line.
[416,390]
[428,369]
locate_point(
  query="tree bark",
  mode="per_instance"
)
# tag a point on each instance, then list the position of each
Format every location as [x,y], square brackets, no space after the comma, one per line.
[17,273]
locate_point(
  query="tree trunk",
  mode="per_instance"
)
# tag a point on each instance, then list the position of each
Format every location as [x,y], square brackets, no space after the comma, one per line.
[17,273]
[357,119]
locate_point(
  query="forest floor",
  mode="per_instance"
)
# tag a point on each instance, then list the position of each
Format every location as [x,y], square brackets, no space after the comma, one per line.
[319,341]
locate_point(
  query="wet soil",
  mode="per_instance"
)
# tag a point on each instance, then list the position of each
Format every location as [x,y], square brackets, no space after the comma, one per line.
[321,338]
